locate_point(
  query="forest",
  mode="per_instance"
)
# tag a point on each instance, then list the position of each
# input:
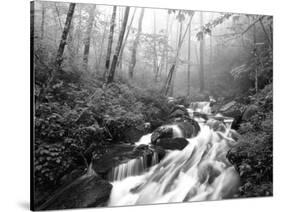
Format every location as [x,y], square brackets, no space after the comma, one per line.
[106,78]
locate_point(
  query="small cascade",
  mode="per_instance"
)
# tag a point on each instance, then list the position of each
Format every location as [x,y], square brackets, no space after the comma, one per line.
[131,168]
[199,172]
[155,159]
[201,107]
[228,122]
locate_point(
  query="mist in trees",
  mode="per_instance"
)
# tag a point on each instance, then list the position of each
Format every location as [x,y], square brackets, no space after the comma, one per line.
[189,52]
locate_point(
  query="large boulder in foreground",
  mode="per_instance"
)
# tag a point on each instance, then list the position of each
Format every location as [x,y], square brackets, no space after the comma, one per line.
[181,128]
[86,191]
[165,131]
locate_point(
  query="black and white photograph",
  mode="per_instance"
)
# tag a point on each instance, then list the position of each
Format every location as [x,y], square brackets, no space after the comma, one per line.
[142,105]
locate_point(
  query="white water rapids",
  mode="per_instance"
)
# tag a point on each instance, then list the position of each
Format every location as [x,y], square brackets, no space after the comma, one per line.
[199,172]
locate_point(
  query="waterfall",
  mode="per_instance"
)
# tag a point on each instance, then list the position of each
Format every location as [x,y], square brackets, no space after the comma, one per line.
[199,172]
[155,159]
[131,168]
[201,107]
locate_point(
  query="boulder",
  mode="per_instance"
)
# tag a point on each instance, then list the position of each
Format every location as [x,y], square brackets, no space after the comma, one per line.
[249,112]
[180,127]
[234,110]
[178,113]
[165,131]
[141,147]
[201,115]
[86,191]
[227,106]
[172,144]
[189,127]
[237,117]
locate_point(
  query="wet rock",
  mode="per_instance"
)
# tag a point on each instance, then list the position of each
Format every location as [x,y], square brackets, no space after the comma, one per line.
[180,127]
[141,147]
[178,111]
[162,132]
[172,144]
[200,115]
[227,106]
[86,191]
[236,114]
[249,112]
[189,127]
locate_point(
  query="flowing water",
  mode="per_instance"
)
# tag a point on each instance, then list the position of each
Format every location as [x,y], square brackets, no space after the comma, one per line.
[199,172]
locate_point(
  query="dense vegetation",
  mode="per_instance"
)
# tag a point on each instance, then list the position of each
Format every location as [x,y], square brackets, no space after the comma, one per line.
[79,120]
[88,98]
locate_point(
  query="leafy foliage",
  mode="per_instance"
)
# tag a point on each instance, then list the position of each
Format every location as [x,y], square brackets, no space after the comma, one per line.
[253,156]
[207,28]
[78,118]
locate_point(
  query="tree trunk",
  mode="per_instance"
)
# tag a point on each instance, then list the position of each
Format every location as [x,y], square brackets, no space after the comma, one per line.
[79,31]
[201,75]
[167,44]
[58,14]
[110,41]
[188,59]
[135,46]
[64,35]
[60,51]
[256,57]
[32,5]
[119,63]
[42,21]
[211,60]
[118,46]
[88,38]
[70,46]
[167,56]
[163,60]
[101,46]
[174,75]
[155,57]
[266,34]
[168,81]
